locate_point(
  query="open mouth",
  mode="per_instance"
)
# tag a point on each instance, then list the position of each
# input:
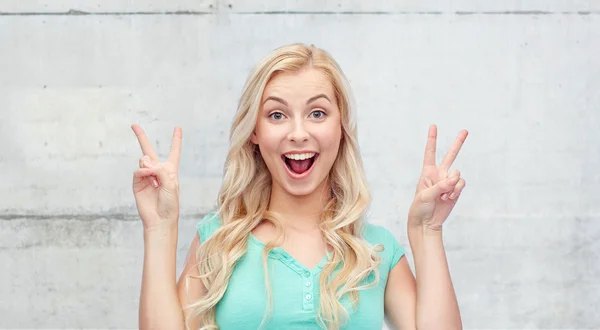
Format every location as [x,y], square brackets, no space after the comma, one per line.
[299,163]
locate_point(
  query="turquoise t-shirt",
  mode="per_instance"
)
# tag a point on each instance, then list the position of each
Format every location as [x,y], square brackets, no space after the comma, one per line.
[294,288]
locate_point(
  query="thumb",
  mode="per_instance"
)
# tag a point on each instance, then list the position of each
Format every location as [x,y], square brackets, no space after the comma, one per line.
[444,186]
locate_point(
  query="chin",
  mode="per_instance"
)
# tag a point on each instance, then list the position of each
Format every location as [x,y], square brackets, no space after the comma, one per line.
[300,190]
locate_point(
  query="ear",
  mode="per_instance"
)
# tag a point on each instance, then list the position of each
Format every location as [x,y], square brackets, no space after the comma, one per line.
[254,138]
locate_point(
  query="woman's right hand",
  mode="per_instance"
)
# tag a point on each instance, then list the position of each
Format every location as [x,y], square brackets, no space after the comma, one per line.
[156,184]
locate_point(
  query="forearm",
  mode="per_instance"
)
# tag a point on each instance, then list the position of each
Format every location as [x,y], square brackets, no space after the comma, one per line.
[159,304]
[437,307]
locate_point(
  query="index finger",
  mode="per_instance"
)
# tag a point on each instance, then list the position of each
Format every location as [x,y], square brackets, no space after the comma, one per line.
[144,142]
[454,149]
[429,158]
[176,146]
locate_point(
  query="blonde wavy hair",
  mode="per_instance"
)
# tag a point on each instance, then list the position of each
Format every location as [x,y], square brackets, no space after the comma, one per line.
[245,195]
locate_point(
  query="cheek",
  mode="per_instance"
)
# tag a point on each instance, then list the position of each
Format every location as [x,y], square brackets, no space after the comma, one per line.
[268,140]
[330,139]
[269,154]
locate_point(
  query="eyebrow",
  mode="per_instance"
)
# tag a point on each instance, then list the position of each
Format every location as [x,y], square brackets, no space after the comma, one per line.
[316,97]
[312,99]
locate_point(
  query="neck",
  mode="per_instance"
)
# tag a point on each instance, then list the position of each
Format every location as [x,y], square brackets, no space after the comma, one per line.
[301,212]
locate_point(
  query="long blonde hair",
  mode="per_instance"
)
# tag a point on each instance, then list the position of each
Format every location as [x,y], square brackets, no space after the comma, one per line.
[244,198]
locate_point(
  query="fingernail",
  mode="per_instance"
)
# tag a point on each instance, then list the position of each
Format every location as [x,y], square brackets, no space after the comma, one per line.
[147,163]
[444,196]
[452,195]
[155,183]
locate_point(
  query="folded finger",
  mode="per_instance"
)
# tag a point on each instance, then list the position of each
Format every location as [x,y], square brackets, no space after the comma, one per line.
[141,173]
[444,186]
[165,178]
[454,173]
[145,162]
[146,173]
[458,189]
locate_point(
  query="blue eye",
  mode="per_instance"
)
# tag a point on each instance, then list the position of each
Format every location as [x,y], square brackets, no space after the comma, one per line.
[276,115]
[318,114]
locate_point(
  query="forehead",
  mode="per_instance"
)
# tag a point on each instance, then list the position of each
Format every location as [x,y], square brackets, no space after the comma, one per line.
[303,84]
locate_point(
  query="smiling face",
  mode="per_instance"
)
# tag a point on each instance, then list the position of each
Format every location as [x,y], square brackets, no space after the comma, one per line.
[298,130]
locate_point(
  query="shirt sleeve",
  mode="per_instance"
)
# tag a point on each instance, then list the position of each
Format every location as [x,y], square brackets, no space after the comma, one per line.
[208,225]
[393,248]
[397,251]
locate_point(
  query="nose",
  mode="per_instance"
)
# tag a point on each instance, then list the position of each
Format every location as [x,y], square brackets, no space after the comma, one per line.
[298,132]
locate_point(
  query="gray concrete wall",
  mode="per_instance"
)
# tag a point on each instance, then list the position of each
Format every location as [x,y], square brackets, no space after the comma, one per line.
[523,77]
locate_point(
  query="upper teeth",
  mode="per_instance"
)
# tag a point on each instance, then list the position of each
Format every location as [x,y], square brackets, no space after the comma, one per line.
[300,156]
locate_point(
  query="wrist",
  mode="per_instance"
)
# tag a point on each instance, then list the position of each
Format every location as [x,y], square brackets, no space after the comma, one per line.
[423,238]
[422,229]
[158,222]
[165,228]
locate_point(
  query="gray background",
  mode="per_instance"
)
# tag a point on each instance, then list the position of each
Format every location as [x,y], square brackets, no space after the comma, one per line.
[522,76]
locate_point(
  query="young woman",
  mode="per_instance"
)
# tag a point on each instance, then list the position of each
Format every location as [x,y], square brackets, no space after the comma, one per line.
[288,246]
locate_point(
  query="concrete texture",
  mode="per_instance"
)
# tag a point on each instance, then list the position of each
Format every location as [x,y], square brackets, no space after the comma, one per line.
[522,77]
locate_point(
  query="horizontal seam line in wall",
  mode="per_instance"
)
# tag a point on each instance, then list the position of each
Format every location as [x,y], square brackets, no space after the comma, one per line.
[73,12]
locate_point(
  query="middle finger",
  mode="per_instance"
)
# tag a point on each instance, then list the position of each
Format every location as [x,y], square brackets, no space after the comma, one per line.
[454,149]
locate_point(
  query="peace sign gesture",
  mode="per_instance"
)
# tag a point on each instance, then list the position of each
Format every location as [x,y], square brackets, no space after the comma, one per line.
[439,187]
[156,184]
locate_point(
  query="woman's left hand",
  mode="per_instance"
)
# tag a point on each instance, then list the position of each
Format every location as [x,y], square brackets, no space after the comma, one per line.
[439,187]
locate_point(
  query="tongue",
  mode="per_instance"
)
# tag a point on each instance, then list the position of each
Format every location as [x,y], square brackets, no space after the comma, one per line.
[300,166]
